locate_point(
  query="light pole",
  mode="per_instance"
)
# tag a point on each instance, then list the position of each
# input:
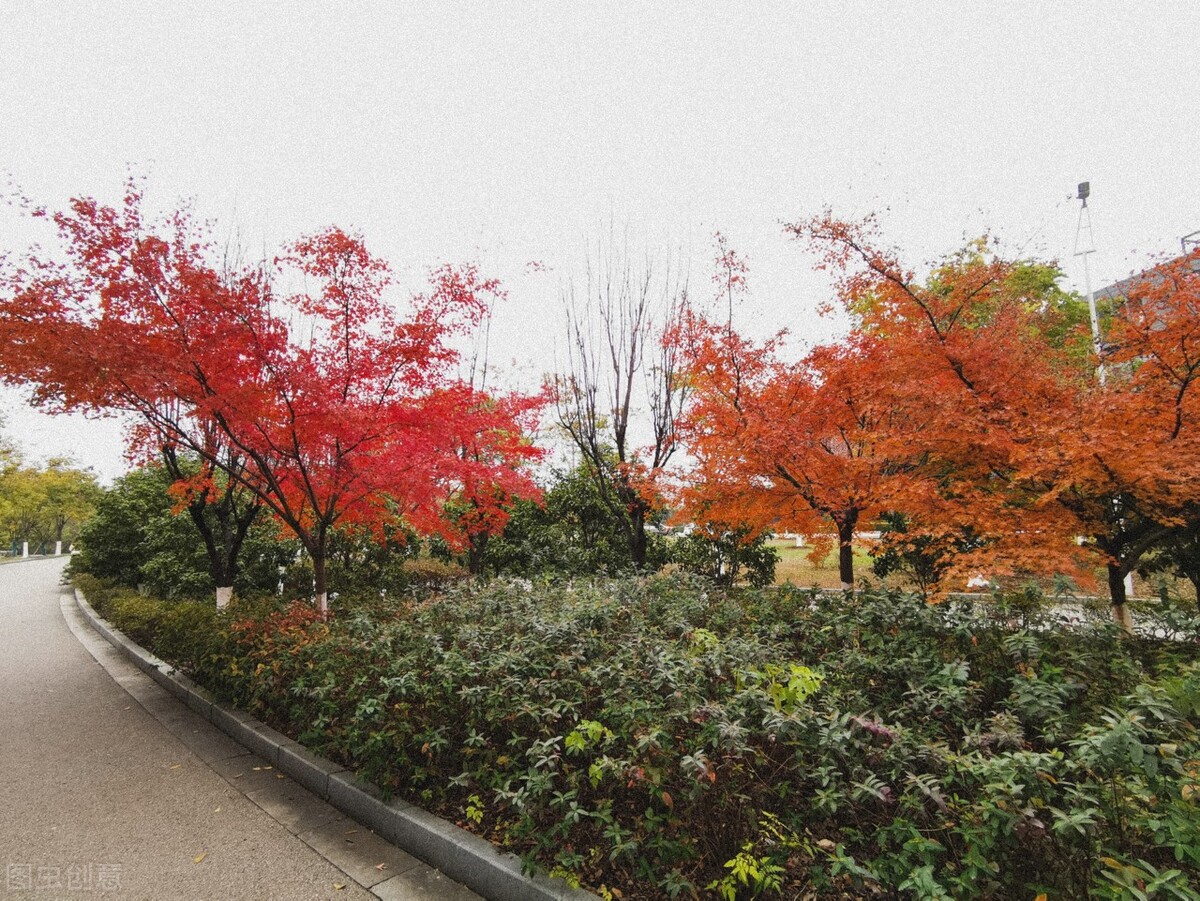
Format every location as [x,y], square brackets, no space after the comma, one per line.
[1097,345]
[1085,223]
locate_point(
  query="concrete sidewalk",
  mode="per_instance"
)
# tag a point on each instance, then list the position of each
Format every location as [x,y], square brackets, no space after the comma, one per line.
[109,787]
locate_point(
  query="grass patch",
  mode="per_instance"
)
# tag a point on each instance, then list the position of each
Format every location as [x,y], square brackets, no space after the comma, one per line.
[797,567]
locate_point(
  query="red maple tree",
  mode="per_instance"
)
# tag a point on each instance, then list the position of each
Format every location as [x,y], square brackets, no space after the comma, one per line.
[336,408]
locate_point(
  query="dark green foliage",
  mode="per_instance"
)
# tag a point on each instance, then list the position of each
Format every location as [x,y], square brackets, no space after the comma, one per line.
[572,532]
[136,538]
[1177,554]
[663,737]
[362,563]
[133,534]
[363,566]
[182,631]
[726,556]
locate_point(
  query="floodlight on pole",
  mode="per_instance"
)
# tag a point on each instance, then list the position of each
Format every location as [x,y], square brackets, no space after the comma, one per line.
[1085,223]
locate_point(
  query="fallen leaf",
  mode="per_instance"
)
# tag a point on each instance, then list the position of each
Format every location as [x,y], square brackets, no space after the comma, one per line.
[176,766]
[338,886]
[199,857]
[381,866]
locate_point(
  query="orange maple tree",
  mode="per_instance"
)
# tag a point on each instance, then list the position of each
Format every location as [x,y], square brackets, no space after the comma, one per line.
[979,360]
[1123,459]
[1016,440]
[789,446]
[936,407]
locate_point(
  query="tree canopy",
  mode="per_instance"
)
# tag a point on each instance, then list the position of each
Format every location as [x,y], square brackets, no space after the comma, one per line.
[962,406]
[327,403]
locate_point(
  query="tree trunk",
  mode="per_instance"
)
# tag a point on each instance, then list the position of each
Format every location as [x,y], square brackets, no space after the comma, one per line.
[638,543]
[845,529]
[1116,590]
[476,548]
[846,565]
[320,592]
[224,535]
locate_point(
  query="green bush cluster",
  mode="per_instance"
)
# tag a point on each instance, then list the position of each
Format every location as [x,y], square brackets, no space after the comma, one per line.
[726,556]
[660,738]
[138,538]
[184,632]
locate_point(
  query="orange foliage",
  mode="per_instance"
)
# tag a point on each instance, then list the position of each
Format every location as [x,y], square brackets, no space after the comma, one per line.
[964,403]
[938,406]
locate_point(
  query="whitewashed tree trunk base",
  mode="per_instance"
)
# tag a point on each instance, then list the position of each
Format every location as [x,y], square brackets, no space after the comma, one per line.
[224,595]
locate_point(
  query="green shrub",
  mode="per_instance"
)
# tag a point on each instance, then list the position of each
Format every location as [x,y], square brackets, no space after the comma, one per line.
[726,556]
[188,635]
[97,591]
[138,617]
[573,531]
[664,738]
[137,538]
[426,575]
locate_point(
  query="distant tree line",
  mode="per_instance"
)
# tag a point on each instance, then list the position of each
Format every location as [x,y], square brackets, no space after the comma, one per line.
[42,506]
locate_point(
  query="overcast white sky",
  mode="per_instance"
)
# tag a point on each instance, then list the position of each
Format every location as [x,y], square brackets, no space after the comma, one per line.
[506,132]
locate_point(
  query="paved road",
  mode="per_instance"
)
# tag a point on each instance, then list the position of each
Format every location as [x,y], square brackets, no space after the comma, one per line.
[110,788]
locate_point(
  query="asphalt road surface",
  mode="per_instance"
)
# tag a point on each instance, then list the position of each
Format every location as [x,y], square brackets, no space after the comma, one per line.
[110,788]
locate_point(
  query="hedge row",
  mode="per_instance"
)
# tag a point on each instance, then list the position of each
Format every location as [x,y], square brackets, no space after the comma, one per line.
[658,738]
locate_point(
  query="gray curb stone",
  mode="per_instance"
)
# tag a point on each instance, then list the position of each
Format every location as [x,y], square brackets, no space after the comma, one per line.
[228,718]
[459,854]
[262,740]
[311,771]
[364,802]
